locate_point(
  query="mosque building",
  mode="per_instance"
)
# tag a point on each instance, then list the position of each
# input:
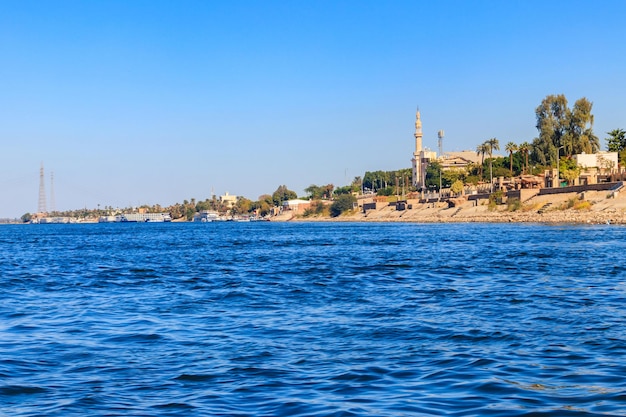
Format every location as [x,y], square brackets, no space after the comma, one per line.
[421,156]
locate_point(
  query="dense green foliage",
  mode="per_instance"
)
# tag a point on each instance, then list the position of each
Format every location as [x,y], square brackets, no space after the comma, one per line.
[511,148]
[281,194]
[264,205]
[560,126]
[377,180]
[616,142]
[347,189]
[491,145]
[434,175]
[318,192]
[343,203]
[457,187]
[568,169]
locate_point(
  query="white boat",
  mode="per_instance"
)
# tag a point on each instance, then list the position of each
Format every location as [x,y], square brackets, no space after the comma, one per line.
[206,216]
[145,218]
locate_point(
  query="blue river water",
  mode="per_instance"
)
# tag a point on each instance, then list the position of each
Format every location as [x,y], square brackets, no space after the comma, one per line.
[312,319]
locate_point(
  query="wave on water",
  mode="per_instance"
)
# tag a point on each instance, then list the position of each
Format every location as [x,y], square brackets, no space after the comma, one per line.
[326,319]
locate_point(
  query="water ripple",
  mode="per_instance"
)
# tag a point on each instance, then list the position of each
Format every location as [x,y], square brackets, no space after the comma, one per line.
[312,320]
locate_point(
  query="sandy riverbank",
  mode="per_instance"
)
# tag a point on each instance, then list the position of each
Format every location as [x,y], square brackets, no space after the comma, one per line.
[594,208]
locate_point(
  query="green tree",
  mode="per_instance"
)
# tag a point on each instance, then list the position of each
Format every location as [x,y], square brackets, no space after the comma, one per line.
[434,176]
[558,125]
[281,194]
[552,123]
[491,145]
[263,206]
[581,128]
[26,217]
[511,147]
[382,179]
[375,180]
[452,175]
[347,189]
[203,205]
[357,184]
[242,206]
[189,212]
[315,192]
[481,150]
[525,148]
[176,211]
[457,187]
[568,169]
[616,140]
[318,192]
[343,203]
[387,191]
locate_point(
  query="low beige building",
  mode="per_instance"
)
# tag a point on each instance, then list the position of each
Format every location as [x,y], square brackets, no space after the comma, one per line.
[228,200]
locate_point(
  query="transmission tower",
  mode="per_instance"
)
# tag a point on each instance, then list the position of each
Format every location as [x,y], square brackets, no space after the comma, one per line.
[53,207]
[41,208]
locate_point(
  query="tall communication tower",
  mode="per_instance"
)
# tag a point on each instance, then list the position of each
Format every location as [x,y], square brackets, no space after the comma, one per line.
[41,208]
[53,207]
[440,136]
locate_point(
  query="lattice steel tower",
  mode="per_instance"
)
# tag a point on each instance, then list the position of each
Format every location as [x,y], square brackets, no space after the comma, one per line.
[41,208]
[53,206]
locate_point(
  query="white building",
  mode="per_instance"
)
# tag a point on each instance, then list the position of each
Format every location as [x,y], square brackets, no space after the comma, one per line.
[600,160]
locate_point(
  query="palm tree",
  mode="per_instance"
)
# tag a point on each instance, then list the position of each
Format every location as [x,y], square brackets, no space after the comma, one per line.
[481,150]
[510,148]
[524,148]
[491,145]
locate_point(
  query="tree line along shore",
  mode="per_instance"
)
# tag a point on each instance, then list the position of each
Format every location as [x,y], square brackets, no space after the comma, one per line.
[563,132]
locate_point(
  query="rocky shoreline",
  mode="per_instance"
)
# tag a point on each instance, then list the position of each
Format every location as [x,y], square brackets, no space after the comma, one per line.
[598,209]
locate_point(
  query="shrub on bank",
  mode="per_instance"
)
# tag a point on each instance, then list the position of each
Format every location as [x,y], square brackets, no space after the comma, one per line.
[582,205]
[495,199]
[513,204]
[317,208]
[576,204]
[343,203]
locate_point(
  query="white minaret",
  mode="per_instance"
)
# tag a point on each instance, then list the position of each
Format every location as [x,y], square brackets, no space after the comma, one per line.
[418,177]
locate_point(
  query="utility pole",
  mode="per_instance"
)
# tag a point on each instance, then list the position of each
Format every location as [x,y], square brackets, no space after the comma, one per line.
[558,153]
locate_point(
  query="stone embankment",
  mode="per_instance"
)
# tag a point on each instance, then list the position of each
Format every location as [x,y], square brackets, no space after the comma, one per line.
[593,208]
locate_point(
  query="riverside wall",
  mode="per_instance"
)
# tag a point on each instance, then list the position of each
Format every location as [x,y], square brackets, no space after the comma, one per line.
[590,207]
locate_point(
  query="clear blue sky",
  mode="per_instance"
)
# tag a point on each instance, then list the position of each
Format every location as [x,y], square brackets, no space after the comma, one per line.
[144,102]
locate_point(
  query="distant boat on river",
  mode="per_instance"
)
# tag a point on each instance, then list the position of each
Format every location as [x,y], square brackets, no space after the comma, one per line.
[137,218]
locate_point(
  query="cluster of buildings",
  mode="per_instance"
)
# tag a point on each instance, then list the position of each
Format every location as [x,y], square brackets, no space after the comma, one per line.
[423,156]
[595,168]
